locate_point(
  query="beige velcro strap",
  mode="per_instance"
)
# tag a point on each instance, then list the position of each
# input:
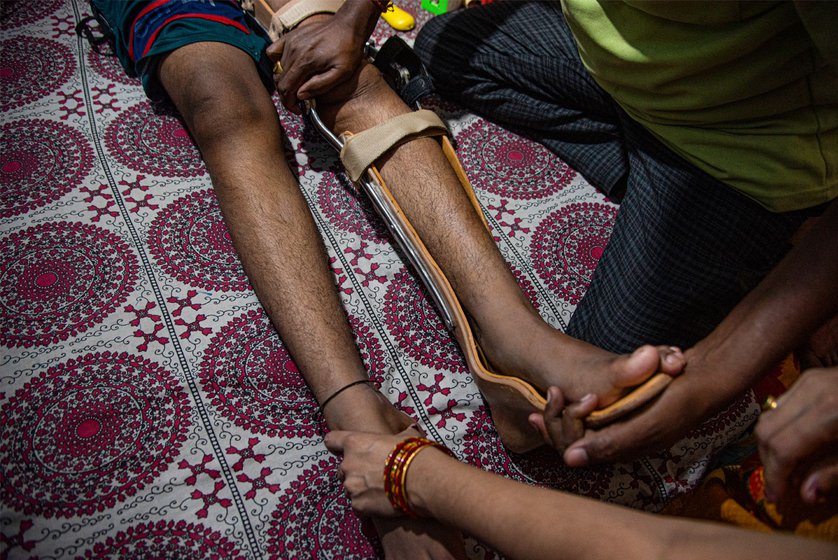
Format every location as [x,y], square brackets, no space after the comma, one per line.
[292,13]
[362,149]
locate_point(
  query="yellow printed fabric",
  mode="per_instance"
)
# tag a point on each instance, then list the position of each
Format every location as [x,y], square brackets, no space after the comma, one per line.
[745,91]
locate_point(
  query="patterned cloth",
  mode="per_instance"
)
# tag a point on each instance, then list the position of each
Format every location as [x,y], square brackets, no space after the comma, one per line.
[685,247]
[147,406]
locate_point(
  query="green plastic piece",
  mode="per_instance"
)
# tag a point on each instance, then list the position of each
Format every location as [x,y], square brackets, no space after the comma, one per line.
[437,7]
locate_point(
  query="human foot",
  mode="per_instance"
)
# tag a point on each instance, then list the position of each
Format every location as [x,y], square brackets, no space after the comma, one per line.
[544,357]
[524,346]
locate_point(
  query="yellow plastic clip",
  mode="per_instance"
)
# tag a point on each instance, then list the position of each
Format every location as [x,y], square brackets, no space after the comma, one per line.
[399,19]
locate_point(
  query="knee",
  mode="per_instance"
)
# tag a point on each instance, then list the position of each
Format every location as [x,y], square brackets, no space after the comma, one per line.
[219,107]
[361,102]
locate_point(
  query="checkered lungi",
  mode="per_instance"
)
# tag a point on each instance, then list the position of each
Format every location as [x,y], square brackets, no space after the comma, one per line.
[685,248]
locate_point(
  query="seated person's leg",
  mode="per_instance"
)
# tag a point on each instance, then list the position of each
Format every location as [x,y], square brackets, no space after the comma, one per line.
[684,251]
[516,64]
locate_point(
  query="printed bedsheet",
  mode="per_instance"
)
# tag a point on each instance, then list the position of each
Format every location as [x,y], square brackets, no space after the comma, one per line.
[147,406]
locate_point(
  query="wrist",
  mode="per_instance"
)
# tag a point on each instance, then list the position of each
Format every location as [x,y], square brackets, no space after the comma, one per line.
[420,479]
[396,469]
[360,16]
[357,408]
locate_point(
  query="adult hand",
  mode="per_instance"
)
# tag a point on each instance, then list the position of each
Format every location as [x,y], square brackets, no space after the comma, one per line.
[798,440]
[362,473]
[701,390]
[321,53]
[362,468]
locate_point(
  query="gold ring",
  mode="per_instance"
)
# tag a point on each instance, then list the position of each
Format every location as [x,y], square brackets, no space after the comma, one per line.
[277,67]
[770,403]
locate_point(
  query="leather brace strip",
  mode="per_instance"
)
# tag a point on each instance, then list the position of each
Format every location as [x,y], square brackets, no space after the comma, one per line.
[362,149]
[290,15]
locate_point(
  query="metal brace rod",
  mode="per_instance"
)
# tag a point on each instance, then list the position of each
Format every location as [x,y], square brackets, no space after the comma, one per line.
[388,212]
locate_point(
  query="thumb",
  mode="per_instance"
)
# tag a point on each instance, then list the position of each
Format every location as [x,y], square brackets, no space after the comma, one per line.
[620,441]
[653,427]
[274,50]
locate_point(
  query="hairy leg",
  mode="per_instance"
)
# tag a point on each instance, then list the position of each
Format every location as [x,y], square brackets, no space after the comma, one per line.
[234,122]
[512,334]
[236,127]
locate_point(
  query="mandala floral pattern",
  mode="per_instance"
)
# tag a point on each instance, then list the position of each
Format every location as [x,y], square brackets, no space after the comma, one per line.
[153,143]
[40,161]
[728,420]
[87,434]
[416,326]
[191,242]
[109,67]
[568,244]
[252,380]
[314,519]
[292,125]
[31,68]
[58,280]
[349,210]
[17,13]
[505,164]
[166,539]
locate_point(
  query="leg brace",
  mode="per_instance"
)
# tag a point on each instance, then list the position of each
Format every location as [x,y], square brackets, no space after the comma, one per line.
[358,152]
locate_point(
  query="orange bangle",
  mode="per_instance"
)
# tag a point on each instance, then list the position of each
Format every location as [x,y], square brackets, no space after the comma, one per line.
[395,470]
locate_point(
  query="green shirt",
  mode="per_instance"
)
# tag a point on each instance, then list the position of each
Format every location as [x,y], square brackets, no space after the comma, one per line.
[746,91]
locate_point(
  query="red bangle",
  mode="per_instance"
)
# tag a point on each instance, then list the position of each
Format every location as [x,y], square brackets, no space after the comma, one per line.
[383,5]
[395,470]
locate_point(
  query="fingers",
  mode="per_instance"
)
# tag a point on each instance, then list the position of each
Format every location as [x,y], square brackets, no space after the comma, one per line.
[552,413]
[336,441]
[360,471]
[314,60]
[658,425]
[820,482]
[319,84]
[784,439]
[560,425]
[799,434]
[275,49]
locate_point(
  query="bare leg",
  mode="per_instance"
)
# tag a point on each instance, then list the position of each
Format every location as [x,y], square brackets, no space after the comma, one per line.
[515,338]
[235,124]
[236,127]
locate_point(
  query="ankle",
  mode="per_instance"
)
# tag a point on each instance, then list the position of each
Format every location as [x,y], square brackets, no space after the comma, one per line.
[362,408]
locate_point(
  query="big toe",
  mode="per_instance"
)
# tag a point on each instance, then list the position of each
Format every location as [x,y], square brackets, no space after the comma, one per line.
[635,368]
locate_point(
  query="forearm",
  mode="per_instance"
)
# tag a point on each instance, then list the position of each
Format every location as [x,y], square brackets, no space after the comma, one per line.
[799,295]
[524,521]
[360,15]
